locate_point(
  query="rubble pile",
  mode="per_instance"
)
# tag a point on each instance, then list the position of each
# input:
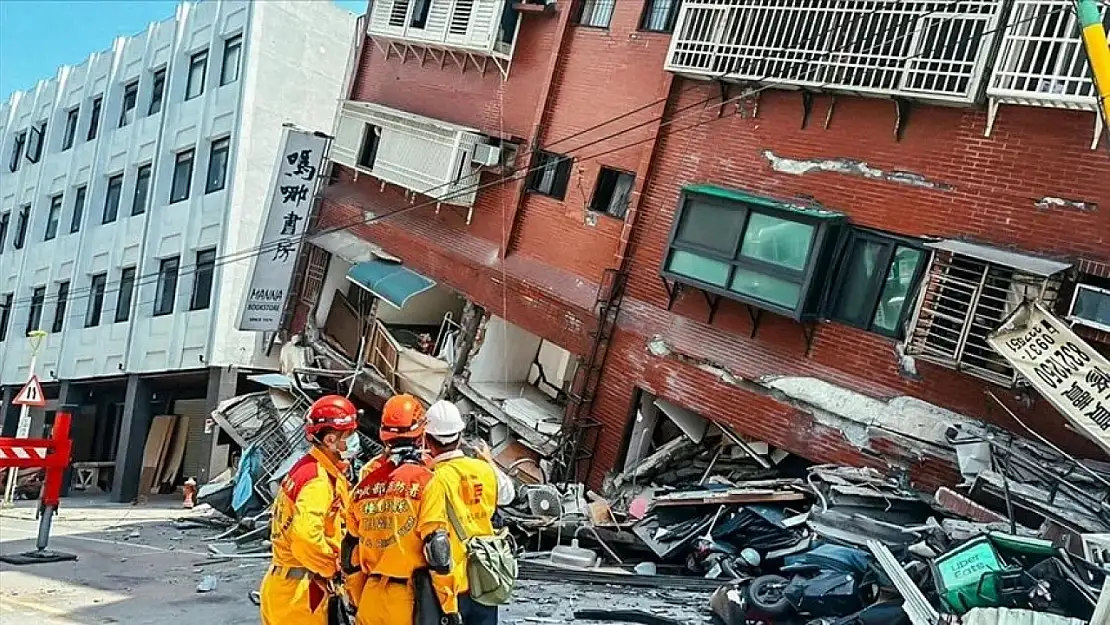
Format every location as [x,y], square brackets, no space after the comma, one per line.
[1024,539]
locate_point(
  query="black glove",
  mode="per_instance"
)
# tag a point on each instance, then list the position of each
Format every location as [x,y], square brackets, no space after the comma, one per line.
[451,618]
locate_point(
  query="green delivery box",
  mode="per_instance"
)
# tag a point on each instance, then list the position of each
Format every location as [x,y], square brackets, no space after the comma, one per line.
[967,577]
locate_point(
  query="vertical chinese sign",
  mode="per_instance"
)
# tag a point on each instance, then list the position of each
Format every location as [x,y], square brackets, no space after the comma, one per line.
[292,190]
[1067,371]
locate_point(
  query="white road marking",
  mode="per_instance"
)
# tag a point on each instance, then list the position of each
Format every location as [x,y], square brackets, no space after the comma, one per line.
[104,541]
[34,606]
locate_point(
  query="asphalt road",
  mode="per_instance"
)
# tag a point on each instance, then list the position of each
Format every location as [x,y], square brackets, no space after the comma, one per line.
[135,568]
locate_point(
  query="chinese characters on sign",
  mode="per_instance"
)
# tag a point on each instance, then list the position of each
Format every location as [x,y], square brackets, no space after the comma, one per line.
[291,192]
[1061,366]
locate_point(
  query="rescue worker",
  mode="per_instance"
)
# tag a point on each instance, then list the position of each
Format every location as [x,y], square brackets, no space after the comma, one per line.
[474,488]
[307,524]
[396,541]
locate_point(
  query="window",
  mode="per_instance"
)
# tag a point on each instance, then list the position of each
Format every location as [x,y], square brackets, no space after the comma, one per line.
[198,70]
[71,128]
[94,118]
[111,199]
[660,15]
[612,192]
[5,220]
[96,300]
[78,209]
[550,174]
[5,315]
[875,282]
[753,249]
[167,286]
[53,217]
[420,14]
[60,307]
[21,227]
[130,100]
[182,176]
[142,190]
[126,290]
[34,317]
[36,141]
[1090,304]
[217,165]
[157,92]
[596,13]
[202,280]
[17,151]
[233,52]
[368,153]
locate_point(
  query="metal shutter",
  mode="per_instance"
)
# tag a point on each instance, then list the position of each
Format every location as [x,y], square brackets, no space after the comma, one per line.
[198,445]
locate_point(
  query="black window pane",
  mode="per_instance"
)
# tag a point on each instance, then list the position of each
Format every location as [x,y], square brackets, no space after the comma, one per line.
[182,177]
[711,226]
[126,290]
[60,307]
[34,318]
[94,119]
[217,166]
[198,68]
[71,128]
[18,144]
[202,280]
[167,287]
[5,315]
[158,90]
[53,217]
[856,290]
[368,153]
[233,52]
[5,220]
[612,192]
[898,289]
[130,100]
[142,190]
[595,13]
[659,15]
[36,141]
[550,174]
[111,199]
[21,227]
[78,209]
[96,300]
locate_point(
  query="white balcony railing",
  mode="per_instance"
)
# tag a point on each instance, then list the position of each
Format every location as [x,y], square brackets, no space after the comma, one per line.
[421,154]
[1042,61]
[484,27]
[908,48]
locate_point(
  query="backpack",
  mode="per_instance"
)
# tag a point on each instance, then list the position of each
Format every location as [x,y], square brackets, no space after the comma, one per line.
[491,564]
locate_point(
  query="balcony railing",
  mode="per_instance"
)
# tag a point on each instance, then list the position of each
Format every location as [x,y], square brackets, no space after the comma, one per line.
[483,27]
[1042,61]
[926,50]
[421,154]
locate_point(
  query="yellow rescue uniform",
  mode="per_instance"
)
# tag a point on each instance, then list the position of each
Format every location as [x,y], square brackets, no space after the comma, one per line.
[387,515]
[307,527]
[470,485]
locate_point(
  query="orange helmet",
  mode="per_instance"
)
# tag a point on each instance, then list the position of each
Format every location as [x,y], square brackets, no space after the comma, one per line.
[331,412]
[402,417]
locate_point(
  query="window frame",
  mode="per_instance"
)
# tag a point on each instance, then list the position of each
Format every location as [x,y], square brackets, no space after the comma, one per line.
[158,92]
[34,312]
[107,197]
[564,168]
[94,118]
[130,96]
[671,20]
[94,311]
[234,42]
[69,135]
[165,278]
[826,230]
[197,59]
[143,172]
[580,13]
[5,314]
[890,243]
[178,161]
[204,267]
[19,143]
[80,197]
[54,217]
[126,293]
[223,144]
[60,304]
[22,225]
[619,173]
[369,146]
[5,225]
[36,147]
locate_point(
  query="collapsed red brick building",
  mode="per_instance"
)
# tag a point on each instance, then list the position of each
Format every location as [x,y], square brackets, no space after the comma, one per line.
[799,224]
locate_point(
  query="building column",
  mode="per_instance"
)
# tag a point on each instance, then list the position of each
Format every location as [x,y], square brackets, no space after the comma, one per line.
[137,416]
[223,384]
[9,414]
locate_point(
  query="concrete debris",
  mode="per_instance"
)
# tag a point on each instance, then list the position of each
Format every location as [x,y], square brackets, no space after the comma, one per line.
[208,584]
[850,167]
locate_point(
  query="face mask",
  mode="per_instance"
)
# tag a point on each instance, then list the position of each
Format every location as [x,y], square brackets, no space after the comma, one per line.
[354,447]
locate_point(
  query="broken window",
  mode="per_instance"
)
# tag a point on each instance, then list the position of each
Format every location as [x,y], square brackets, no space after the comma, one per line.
[614,187]
[969,291]
[1090,304]
[368,152]
[752,249]
[550,174]
[875,282]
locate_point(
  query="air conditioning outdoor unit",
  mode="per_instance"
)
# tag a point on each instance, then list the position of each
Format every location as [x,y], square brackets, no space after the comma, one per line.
[1090,306]
[486,155]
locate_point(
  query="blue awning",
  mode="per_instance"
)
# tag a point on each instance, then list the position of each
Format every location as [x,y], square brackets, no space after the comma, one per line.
[389,280]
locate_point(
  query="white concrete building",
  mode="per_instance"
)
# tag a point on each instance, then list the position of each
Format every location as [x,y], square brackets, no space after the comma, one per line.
[128,183]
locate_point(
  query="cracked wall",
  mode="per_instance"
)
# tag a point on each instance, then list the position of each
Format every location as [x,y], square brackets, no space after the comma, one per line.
[1058,203]
[851,167]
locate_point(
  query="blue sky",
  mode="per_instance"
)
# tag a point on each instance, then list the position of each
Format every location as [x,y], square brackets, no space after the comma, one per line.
[36,36]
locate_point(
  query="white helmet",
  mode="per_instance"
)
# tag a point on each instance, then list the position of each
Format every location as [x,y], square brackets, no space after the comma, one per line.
[444,423]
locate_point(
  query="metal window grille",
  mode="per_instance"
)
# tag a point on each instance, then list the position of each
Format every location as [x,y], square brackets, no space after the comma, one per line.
[316,268]
[963,300]
[931,50]
[1042,59]
[596,13]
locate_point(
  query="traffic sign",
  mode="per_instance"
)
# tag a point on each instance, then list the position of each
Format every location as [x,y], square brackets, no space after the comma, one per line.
[31,394]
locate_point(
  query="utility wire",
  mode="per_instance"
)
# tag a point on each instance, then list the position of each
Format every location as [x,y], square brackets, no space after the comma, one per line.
[512,176]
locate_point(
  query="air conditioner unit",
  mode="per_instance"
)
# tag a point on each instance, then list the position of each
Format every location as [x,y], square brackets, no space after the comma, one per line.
[1090,306]
[486,155]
